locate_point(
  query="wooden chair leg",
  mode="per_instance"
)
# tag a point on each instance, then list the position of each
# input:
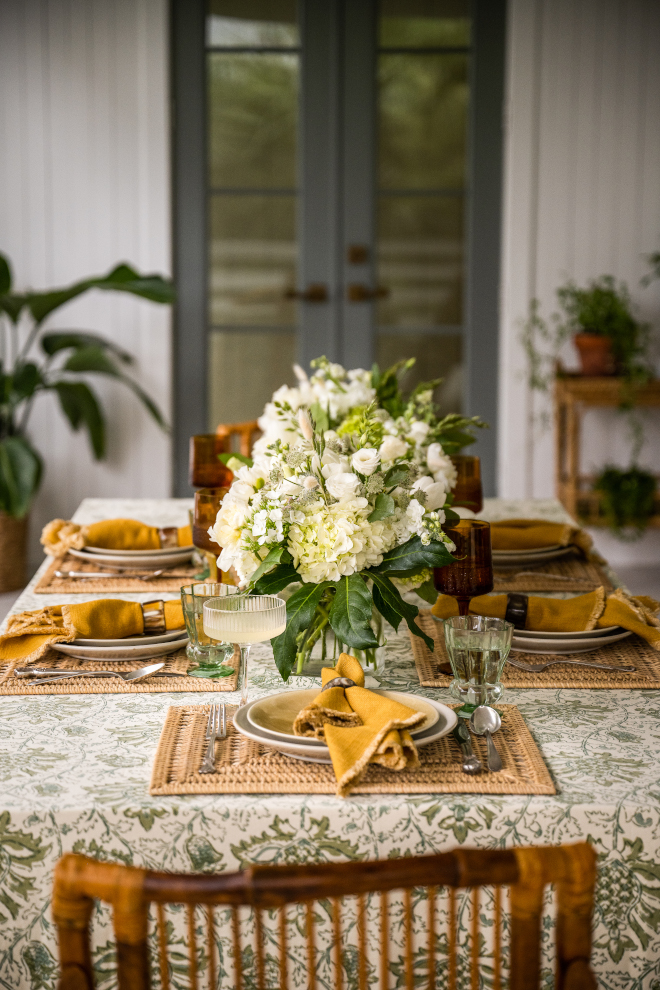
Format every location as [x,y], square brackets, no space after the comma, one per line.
[575,905]
[526,908]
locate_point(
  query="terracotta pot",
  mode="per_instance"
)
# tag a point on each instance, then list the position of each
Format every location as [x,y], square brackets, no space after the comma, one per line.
[13,552]
[595,351]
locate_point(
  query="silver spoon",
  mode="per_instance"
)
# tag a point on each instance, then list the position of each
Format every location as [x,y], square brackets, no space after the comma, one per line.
[485,721]
[130,675]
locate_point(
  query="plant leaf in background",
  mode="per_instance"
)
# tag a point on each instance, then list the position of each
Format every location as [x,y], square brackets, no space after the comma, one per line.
[94,360]
[82,408]
[350,613]
[20,472]
[5,276]
[51,343]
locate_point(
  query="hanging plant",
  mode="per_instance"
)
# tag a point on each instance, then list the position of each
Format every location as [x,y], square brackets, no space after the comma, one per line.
[627,499]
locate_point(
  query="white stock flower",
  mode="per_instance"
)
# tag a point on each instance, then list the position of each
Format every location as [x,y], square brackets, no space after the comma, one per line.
[392,447]
[343,484]
[366,460]
[440,465]
[434,491]
[418,430]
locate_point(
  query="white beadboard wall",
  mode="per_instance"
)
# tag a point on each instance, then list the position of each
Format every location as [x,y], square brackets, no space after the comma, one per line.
[84,153]
[581,199]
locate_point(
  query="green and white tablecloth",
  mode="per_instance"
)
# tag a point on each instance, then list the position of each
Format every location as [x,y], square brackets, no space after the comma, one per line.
[74,772]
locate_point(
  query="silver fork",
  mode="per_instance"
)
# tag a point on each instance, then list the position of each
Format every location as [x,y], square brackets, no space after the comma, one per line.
[216,728]
[534,668]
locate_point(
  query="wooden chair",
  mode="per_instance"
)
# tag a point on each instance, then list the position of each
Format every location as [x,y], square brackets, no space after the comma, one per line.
[264,889]
[245,433]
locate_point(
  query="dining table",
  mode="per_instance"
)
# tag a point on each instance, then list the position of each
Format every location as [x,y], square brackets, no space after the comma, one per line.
[75,771]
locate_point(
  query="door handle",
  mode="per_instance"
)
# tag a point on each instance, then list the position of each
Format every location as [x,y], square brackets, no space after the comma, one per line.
[356,292]
[316,292]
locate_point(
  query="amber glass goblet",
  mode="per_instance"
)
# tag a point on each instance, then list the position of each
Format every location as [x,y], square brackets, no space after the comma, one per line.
[207,503]
[467,491]
[205,468]
[472,572]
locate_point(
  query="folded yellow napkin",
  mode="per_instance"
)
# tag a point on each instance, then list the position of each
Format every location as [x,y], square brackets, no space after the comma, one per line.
[534,534]
[359,727]
[29,634]
[61,535]
[596,609]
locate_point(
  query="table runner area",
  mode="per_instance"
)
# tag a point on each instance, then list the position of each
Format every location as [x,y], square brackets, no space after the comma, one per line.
[246,767]
[566,574]
[49,584]
[177,661]
[629,651]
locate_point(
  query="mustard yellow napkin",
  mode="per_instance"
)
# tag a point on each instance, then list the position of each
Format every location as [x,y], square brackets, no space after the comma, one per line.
[595,609]
[61,535]
[29,634]
[359,727]
[535,534]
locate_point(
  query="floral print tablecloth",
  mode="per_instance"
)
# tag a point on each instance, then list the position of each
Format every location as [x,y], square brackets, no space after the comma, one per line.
[74,773]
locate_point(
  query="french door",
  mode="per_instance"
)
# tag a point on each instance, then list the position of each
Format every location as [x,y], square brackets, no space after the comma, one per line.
[325,201]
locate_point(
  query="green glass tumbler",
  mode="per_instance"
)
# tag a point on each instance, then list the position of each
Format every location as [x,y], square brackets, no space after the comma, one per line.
[478,647]
[201,648]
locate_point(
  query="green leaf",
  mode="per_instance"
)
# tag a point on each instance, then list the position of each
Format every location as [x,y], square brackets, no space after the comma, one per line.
[226,458]
[60,341]
[20,474]
[450,515]
[5,275]
[300,610]
[81,407]
[351,611]
[12,305]
[383,507]
[277,580]
[412,557]
[428,592]
[271,559]
[320,417]
[123,278]
[397,475]
[25,380]
[391,605]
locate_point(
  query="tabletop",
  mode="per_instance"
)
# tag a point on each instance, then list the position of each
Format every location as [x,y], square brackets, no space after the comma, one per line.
[74,773]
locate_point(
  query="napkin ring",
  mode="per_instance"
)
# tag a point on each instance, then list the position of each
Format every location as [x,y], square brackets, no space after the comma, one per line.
[153,614]
[343,682]
[516,609]
[168,536]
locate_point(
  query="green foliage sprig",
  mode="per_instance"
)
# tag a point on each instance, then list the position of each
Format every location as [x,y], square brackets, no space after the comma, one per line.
[627,499]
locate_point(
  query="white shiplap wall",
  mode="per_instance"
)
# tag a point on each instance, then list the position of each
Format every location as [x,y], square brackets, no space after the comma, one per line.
[84,161]
[582,198]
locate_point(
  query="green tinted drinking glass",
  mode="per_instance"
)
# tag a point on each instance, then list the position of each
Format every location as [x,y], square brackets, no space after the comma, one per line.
[478,647]
[201,648]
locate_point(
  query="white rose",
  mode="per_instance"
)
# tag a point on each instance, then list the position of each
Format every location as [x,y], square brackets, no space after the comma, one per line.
[418,431]
[391,448]
[441,466]
[342,484]
[333,467]
[366,460]
[435,492]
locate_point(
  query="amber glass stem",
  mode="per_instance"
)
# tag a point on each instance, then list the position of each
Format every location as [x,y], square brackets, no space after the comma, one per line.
[463,606]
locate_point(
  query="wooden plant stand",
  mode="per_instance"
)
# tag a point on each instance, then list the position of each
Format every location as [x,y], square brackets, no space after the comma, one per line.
[574,394]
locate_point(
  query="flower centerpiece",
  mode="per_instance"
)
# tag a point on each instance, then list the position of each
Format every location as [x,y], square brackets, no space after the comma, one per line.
[344,499]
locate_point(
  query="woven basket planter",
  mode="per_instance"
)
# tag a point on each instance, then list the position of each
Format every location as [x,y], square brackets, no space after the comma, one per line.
[13,552]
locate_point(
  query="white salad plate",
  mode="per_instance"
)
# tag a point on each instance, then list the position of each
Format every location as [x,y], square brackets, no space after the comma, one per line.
[583,633]
[134,640]
[314,751]
[159,552]
[120,652]
[135,558]
[516,558]
[578,645]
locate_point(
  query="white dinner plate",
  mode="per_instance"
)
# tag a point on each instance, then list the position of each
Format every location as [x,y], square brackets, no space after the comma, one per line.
[276,713]
[134,640]
[120,652]
[520,645]
[316,752]
[524,553]
[586,633]
[525,558]
[135,559]
[159,552]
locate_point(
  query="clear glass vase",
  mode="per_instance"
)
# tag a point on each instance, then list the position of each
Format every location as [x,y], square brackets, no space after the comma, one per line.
[320,647]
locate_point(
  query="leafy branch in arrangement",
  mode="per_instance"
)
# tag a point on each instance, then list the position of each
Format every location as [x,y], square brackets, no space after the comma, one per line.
[64,356]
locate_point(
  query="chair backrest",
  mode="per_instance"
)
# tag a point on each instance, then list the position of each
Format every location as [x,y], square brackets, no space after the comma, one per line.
[246,433]
[267,890]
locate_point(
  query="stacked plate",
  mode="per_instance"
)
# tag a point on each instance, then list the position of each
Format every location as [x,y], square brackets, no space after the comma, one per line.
[520,558]
[530,641]
[269,721]
[131,648]
[139,559]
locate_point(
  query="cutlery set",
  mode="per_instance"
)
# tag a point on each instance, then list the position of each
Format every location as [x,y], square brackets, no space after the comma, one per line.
[44,675]
[484,721]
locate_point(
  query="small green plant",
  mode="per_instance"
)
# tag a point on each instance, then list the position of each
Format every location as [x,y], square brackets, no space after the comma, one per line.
[627,499]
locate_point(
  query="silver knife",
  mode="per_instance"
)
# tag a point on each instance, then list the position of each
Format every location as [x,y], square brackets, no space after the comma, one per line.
[58,671]
[461,733]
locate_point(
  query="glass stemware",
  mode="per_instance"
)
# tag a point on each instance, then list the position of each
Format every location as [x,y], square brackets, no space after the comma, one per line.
[207,503]
[472,572]
[244,619]
[467,491]
[205,468]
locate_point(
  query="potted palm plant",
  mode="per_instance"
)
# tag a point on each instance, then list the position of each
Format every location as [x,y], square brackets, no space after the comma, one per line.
[34,363]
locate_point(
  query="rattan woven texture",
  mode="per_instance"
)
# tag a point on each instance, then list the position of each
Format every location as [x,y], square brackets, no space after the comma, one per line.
[246,767]
[49,584]
[629,651]
[177,662]
[565,574]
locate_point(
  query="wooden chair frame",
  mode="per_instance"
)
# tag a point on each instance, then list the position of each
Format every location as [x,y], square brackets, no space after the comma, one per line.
[246,432]
[130,890]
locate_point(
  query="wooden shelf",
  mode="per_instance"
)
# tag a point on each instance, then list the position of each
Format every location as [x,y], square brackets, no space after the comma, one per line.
[574,394]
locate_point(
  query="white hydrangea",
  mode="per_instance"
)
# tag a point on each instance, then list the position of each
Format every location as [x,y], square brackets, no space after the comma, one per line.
[327,542]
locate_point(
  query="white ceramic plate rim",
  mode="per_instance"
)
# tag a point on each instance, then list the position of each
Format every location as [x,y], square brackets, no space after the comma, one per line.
[109,652]
[173,557]
[525,553]
[586,633]
[161,551]
[134,640]
[394,695]
[566,645]
[314,748]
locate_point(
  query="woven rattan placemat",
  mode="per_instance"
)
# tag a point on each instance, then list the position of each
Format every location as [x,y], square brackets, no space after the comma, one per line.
[629,651]
[565,574]
[177,662]
[246,767]
[49,584]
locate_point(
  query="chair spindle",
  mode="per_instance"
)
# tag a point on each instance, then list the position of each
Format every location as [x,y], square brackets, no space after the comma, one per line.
[284,975]
[384,942]
[451,939]
[192,946]
[311,951]
[210,948]
[362,943]
[474,954]
[497,940]
[431,892]
[408,936]
[162,948]
[236,939]
[259,938]
[336,934]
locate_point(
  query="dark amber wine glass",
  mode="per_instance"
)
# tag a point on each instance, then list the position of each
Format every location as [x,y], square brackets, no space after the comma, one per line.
[467,491]
[207,503]
[472,572]
[206,470]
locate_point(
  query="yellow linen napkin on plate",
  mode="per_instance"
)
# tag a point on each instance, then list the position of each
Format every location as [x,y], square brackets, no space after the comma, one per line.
[572,614]
[535,534]
[29,634]
[61,535]
[359,727]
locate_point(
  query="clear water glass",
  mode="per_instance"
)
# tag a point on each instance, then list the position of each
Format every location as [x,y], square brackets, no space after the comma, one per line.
[478,647]
[201,648]
[244,619]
